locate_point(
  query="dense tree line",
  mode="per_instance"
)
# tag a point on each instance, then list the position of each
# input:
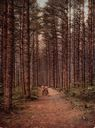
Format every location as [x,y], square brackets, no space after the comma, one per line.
[69,38]
[53,46]
[19,45]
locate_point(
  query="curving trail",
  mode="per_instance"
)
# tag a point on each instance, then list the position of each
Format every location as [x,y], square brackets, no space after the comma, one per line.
[51,111]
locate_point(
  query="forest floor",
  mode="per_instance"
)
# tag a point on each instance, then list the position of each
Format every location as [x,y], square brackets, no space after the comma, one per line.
[52,111]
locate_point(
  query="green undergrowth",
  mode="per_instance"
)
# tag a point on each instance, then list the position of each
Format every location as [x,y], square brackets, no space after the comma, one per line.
[19,99]
[17,92]
[34,93]
[84,98]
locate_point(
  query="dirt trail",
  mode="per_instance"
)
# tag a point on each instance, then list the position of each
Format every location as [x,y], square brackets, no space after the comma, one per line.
[51,111]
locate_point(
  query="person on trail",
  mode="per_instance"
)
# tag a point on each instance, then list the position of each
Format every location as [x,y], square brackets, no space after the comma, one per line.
[42,89]
[45,90]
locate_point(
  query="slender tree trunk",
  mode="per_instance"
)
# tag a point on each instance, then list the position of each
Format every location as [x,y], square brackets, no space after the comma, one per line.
[9,43]
[90,20]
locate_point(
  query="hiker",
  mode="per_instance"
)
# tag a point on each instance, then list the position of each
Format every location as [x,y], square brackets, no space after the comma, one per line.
[44,90]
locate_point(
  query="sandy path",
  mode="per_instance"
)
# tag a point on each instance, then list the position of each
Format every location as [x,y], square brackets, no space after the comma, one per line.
[48,112]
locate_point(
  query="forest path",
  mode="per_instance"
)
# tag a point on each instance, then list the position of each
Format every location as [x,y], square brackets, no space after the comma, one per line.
[52,111]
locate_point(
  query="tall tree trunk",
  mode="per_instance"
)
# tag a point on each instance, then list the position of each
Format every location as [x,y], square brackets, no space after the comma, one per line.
[27,52]
[90,23]
[9,55]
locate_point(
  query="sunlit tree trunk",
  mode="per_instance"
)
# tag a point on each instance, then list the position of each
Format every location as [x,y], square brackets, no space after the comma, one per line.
[27,51]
